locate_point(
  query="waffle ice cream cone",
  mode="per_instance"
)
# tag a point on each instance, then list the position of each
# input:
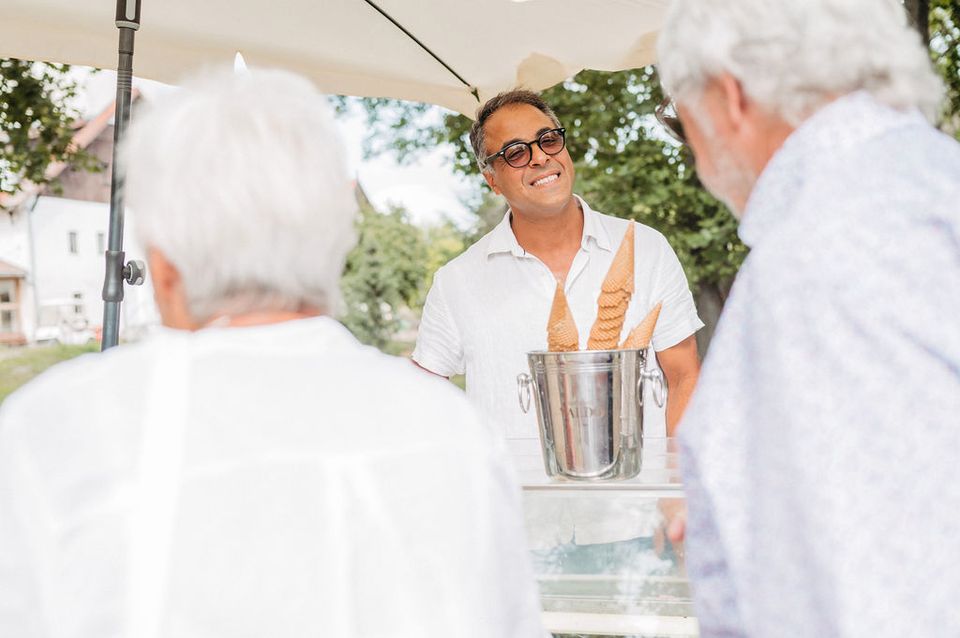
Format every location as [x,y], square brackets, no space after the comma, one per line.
[602,344]
[639,338]
[562,335]
[605,333]
[605,312]
[611,299]
[620,275]
[614,299]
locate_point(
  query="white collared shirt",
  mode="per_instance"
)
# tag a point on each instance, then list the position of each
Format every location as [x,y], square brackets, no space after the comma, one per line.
[292,483]
[489,307]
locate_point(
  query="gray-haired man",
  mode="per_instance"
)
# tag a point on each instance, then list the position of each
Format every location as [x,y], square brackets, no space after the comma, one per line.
[821,446]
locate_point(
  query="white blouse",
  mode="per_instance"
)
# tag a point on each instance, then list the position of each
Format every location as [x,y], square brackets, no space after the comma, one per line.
[279,481]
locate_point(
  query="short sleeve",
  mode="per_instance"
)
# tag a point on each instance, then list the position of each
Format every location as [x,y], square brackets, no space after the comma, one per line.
[678,317]
[439,348]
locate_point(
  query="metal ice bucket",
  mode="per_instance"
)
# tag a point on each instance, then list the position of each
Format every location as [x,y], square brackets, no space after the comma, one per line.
[590,410]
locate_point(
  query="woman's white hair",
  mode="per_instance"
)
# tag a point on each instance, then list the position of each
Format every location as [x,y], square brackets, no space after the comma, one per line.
[793,56]
[239,181]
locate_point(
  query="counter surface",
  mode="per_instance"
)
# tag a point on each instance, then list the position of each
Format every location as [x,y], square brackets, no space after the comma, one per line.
[600,552]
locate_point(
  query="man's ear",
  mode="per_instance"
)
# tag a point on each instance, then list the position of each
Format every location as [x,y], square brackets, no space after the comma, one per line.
[168,291]
[491,181]
[735,102]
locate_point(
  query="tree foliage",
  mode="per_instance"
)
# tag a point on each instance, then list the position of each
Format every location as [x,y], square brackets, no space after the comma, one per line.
[625,165]
[945,53]
[442,242]
[36,122]
[384,273]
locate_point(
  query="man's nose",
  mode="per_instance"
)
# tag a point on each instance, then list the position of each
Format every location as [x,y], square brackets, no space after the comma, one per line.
[537,156]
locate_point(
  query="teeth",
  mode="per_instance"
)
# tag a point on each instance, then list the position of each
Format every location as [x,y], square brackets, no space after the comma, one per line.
[545,180]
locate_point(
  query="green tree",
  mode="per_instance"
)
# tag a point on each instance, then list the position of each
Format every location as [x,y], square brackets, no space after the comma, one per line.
[442,242]
[384,273]
[625,167]
[489,211]
[36,122]
[945,53]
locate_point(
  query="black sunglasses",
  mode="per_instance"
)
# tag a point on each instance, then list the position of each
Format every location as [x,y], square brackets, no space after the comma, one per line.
[519,154]
[666,113]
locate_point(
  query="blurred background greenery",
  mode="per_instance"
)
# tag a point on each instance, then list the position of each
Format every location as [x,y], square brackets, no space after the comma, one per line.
[625,164]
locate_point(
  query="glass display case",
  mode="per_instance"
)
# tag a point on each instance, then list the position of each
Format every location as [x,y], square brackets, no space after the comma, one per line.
[603,561]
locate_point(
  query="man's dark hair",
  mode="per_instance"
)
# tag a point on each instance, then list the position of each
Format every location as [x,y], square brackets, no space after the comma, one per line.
[494,104]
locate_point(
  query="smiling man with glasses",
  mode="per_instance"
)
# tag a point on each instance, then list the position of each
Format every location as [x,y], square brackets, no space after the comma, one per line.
[489,307]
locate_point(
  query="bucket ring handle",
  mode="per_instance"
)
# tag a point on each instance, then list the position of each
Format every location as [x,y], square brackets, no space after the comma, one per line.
[523,391]
[659,388]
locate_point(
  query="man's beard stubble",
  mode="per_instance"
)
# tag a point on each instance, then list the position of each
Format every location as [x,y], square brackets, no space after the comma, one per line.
[731,180]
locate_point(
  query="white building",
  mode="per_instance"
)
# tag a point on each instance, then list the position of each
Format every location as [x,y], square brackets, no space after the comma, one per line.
[52,253]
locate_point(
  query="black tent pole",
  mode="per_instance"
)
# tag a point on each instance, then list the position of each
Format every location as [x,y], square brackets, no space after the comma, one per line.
[128,21]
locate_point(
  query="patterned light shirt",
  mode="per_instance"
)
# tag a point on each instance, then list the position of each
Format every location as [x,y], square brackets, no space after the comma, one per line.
[822,447]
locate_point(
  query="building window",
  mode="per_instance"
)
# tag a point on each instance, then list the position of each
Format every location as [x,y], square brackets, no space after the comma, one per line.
[9,309]
[101,243]
[72,237]
[78,298]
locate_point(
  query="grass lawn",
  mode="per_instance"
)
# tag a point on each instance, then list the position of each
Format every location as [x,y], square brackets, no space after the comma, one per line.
[19,365]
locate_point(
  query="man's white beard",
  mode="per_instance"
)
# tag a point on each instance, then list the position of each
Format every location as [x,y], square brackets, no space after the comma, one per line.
[731,181]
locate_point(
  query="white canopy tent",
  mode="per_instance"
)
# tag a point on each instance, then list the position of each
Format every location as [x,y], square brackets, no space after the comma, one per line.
[353,47]
[455,53]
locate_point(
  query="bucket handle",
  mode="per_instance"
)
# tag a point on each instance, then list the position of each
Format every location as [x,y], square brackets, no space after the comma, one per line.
[659,390]
[523,391]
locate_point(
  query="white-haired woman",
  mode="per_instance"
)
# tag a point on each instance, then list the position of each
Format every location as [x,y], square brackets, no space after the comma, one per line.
[821,447]
[254,471]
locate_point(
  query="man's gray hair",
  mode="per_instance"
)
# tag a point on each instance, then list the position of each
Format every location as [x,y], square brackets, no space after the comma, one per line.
[240,181]
[494,104]
[793,57]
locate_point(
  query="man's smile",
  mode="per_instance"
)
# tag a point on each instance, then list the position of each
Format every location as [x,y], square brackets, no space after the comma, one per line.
[545,179]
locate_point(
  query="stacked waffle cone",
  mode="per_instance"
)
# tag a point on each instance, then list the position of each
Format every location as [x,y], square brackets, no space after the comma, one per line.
[615,293]
[612,304]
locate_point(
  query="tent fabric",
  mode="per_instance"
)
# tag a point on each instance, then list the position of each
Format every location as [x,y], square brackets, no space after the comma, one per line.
[347,46]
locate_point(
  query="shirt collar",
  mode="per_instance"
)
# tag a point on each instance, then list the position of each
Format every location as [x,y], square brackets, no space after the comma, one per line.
[840,125]
[320,329]
[593,228]
[502,239]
